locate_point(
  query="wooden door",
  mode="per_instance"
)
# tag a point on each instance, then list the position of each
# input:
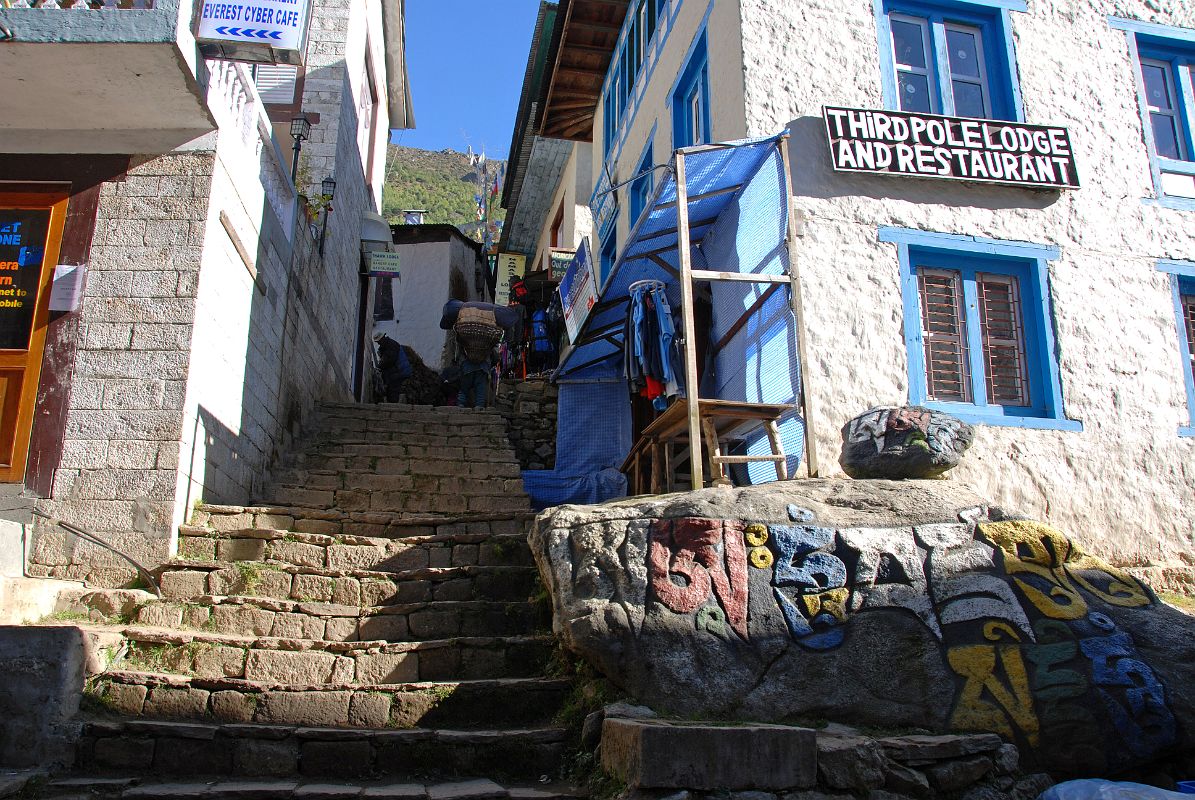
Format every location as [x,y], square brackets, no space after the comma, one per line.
[30,236]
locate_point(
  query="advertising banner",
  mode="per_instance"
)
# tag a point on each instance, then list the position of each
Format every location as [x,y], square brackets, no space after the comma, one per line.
[511,267]
[578,290]
[952,148]
[277,24]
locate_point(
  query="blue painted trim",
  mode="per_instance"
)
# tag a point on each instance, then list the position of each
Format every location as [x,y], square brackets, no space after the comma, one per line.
[972,244]
[693,80]
[1186,430]
[643,186]
[994,22]
[1025,260]
[1179,270]
[972,417]
[626,121]
[1152,29]
[1181,167]
[1170,202]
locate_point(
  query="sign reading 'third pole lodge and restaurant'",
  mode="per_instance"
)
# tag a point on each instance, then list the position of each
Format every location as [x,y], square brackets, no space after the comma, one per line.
[933,146]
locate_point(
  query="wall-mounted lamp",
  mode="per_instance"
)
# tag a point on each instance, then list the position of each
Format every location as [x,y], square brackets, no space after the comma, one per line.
[328,190]
[300,129]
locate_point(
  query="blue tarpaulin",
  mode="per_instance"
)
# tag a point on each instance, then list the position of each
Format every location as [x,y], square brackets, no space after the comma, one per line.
[738,217]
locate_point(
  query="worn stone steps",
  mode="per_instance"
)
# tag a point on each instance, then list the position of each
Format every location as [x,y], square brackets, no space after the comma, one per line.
[505,495]
[391,462]
[289,619]
[377,553]
[184,580]
[320,661]
[335,522]
[179,748]
[465,705]
[95,787]
[415,481]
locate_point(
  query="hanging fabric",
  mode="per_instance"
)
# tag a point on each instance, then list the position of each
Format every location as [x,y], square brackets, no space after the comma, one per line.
[650,354]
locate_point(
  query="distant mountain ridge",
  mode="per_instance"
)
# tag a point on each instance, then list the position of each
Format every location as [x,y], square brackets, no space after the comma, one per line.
[443,183]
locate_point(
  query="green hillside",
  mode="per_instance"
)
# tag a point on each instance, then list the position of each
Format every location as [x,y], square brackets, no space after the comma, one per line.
[441,182]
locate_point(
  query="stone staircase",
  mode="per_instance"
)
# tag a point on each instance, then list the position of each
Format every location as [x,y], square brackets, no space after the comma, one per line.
[370,625]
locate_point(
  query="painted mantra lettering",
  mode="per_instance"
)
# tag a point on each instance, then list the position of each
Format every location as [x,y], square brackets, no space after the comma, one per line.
[934,146]
[1010,604]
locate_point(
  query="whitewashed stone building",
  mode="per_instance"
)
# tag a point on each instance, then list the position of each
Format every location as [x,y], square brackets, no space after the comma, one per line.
[1082,398]
[213,304]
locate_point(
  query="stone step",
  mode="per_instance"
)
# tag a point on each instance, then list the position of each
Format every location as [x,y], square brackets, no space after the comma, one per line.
[355,552]
[385,460]
[320,661]
[370,481]
[256,616]
[442,414]
[353,446]
[419,437]
[187,580]
[332,522]
[465,705]
[95,787]
[454,496]
[177,748]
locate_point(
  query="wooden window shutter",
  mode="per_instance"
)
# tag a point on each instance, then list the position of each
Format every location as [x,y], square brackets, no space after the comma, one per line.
[1001,324]
[276,83]
[1188,304]
[943,322]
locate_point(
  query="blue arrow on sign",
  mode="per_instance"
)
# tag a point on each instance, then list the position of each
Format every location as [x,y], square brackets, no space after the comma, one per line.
[249,33]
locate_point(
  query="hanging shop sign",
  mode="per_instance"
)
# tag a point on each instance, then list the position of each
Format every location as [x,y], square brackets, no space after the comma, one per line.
[578,290]
[558,263]
[254,30]
[511,267]
[953,148]
[383,264]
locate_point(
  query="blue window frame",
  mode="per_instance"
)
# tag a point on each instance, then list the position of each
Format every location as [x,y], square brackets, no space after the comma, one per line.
[608,256]
[949,57]
[1182,287]
[690,100]
[978,328]
[1164,58]
[625,64]
[642,185]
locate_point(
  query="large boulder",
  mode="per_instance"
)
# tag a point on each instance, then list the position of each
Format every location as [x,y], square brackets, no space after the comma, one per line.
[903,442]
[887,604]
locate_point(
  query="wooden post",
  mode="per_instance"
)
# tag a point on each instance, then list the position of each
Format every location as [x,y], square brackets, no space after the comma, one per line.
[798,312]
[696,472]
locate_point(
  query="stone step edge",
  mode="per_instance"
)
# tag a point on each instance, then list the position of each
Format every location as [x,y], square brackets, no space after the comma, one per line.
[247,730]
[324,610]
[173,637]
[178,680]
[196,786]
[421,574]
[496,491]
[397,518]
[324,404]
[330,540]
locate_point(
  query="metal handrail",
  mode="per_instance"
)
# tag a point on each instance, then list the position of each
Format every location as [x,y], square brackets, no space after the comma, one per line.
[88,536]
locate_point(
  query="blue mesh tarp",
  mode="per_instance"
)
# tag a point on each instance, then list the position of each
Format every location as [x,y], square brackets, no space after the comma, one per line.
[738,217]
[593,436]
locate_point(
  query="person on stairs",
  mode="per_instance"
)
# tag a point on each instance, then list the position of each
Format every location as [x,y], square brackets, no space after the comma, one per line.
[477,334]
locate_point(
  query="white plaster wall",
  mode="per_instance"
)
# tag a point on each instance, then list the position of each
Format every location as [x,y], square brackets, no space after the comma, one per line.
[420,296]
[654,87]
[1124,485]
[573,192]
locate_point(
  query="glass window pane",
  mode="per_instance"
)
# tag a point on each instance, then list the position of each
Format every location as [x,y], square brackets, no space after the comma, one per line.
[1157,85]
[964,52]
[1165,135]
[968,99]
[913,91]
[908,44]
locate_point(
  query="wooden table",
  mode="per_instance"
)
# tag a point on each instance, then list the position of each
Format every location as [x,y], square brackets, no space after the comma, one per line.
[720,419]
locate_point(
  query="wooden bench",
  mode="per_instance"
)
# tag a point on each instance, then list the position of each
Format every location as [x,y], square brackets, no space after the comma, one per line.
[648,466]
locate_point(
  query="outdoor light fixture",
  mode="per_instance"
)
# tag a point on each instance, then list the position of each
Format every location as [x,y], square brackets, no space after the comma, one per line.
[328,191]
[300,129]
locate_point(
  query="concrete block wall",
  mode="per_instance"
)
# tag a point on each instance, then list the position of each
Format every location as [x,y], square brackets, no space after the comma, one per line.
[1123,485]
[120,451]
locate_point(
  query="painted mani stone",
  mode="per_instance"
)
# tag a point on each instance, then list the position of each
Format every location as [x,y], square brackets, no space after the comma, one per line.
[1013,606]
[903,442]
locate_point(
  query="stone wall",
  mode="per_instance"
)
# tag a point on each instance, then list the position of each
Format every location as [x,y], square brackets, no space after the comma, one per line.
[530,411]
[1113,315]
[121,445]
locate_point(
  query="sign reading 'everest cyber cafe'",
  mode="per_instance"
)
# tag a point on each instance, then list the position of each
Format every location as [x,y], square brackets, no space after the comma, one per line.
[933,146]
[254,30]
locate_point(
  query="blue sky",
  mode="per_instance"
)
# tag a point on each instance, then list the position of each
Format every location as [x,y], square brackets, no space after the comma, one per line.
[466,60]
